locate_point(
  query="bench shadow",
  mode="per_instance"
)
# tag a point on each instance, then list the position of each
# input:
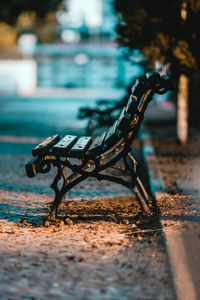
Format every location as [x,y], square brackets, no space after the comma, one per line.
[128,213]
[120,210]
[15,213]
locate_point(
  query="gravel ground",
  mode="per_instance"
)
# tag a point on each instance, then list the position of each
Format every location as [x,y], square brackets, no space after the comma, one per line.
[100,248]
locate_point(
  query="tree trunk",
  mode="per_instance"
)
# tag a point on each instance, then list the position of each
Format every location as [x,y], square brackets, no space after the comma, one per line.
[182,109]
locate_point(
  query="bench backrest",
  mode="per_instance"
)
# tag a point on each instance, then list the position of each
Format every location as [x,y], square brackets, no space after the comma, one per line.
[124,128]
[132,115]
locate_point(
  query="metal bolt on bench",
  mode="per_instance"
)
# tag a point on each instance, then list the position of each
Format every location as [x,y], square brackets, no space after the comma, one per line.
[103,152]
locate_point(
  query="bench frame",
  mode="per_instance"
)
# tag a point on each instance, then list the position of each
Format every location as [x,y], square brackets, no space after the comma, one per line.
[93,165]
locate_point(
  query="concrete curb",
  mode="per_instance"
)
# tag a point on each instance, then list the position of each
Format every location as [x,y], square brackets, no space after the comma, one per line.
[184,286]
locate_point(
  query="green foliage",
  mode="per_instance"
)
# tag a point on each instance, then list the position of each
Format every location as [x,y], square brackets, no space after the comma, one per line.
[167,30]
[11,9]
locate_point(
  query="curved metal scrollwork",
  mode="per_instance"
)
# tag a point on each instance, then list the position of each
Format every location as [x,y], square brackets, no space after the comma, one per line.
[45,166]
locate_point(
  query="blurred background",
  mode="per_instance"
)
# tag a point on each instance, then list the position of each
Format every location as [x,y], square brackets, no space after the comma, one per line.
[71,47]
[59,55]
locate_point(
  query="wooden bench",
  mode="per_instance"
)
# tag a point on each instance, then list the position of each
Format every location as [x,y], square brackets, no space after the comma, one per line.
[85,156]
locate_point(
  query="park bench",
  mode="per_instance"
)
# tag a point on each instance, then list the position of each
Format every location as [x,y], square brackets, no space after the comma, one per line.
[86,157]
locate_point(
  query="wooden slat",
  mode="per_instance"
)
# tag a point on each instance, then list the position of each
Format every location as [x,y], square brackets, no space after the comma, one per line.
[80,147]
[139,87]
[113,135]
[44,147]
[132,105]
[63,146]
[97,144]
[124,120]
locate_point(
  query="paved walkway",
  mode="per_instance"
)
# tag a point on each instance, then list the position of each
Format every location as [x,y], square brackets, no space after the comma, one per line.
[175,179]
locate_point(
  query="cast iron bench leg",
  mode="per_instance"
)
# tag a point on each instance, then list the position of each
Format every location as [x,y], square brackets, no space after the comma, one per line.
[54,207]
[59,194]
